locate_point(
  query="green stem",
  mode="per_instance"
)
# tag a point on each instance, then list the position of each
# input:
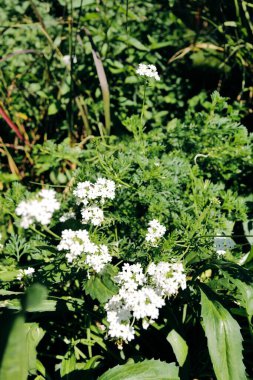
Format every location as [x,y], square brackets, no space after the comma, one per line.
[38,232]
[89,347]
[51,232]
[143,103]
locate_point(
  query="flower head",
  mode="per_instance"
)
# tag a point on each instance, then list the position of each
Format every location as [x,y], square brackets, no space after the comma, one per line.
[40,209]
[25,272]
[78,245]
[149,71]
[155,232]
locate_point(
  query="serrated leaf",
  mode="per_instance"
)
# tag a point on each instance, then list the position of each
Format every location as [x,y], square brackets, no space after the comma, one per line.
[146,370]
[246,299]
[224,340]
[179,346]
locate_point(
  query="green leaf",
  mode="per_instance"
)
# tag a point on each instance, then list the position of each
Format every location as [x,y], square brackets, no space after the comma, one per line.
[133,42]
[52,109]
[102,287]
[179,346]
[68,364]
[35,296]
[224,340]
[14,363]
[8,275]
[148,369]
[34,334]
[246,299]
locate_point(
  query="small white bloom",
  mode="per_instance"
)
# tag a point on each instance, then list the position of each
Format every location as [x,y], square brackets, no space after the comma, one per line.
[102,189]
[67,59]
[100,259]
[221,252]
[155,232]
[130,277]
[66,216]
[149,71]
[167,278]
[93,214]
[78,245]
[25,272]
[40,209]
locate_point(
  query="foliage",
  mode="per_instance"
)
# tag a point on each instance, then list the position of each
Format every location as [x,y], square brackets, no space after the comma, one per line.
[182,202]
[155,179]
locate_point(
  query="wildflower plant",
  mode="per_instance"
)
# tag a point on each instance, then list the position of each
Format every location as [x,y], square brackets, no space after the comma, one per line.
[130,252]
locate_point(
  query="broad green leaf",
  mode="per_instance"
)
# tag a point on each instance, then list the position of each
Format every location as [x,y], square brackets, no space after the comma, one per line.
[224,340]
[35,296]
[179,346]
[14,363]
[34,334]
[146,370]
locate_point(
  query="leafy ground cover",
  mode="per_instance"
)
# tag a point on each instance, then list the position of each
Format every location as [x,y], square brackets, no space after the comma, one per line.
[126,210]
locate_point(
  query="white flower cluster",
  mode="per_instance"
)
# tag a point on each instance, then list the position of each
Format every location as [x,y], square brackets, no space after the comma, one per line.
[141,296]
[67,215]
[167,278]
[101,189]
[149,71]
[25,272]
[78,243]
[40,209]
[92,214]
[87,193]
[155,232]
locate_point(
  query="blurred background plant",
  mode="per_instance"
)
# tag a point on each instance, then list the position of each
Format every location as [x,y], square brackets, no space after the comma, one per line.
[67,68]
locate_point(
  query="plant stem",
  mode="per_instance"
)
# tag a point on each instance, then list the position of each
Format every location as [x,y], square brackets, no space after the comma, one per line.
[51,232]
[143,103]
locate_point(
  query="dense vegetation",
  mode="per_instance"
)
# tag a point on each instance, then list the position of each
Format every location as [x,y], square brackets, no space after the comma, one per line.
[126,204]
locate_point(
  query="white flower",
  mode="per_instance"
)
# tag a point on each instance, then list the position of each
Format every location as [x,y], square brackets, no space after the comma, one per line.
[130,277]
[66,216]
[100,259]
[221,252]
[93,214]
[155,232]
[149,71]
[40,209]
[67,59]
[119,318]
[135,300]
[167,278]
[25,272]
[144,302]
[102,189]
[78,244]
